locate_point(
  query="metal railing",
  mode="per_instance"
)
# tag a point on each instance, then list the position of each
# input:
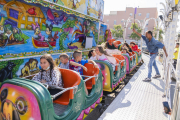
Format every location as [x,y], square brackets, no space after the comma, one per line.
[168,70]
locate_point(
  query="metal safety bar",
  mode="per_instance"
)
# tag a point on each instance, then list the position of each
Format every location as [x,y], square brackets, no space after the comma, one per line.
[64,90]
[89,77]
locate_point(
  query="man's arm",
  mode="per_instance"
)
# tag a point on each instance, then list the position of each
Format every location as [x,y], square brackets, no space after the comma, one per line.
[137,33]
[165,51]
[77,64]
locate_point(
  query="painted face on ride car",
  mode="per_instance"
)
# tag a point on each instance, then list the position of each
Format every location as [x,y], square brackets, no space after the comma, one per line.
[44,64]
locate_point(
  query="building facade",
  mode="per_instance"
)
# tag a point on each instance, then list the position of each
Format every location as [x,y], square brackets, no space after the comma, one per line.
[116,18]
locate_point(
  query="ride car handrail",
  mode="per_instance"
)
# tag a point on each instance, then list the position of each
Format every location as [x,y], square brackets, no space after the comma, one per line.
[64,90]
[89,77]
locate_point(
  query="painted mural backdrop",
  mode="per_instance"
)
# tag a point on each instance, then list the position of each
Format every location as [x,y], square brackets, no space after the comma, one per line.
[94,8]
[28,27]
[26,67]
[103,29]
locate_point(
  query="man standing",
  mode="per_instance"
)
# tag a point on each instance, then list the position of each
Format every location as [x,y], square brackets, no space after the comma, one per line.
[153,46]
[176,51]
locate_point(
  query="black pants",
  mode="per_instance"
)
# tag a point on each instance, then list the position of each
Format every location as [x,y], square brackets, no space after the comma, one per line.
[174,64]
[54,91]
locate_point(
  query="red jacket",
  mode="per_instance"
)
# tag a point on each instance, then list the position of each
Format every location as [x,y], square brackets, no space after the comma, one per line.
[135,48]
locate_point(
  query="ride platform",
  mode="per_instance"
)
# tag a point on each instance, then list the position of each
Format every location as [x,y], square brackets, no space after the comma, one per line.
[139,100]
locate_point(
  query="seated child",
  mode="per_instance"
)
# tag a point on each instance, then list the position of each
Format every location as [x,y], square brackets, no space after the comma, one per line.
[78,59]
[103,55]
[48,74]
[126,46]
[92,55]
[124,51]
[65,63]
[134,46]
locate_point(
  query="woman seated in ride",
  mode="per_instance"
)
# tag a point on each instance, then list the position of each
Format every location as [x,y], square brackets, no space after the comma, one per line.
[134,46]
[49,74]
[104,56]
[127,47]
[92,55]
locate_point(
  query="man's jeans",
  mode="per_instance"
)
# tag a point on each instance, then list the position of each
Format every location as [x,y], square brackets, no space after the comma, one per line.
[174,64]
[152,62]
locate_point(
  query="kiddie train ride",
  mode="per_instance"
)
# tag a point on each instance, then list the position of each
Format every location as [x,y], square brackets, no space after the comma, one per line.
[22,98]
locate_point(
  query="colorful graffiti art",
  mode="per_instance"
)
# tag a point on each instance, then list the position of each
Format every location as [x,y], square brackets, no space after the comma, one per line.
[94,8]
[40,28]
[16,101]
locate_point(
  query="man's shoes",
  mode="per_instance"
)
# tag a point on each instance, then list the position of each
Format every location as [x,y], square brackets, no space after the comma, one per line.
[157,76]
[147,80]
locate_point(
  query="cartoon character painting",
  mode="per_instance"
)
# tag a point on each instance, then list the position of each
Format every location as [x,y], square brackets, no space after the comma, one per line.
[108,35]
[31,67]
[16,34]
[7,72]
[55,18]
[17,103]
[49,33]
[92,33]
[37,32]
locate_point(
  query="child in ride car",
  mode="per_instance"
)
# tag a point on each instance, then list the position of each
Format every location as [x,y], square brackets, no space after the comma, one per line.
[78,59]
[92,55]
[124,51]
[103,55]
[65,63]
[49,74]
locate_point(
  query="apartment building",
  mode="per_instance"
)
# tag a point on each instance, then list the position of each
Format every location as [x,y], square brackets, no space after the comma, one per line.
[116,18]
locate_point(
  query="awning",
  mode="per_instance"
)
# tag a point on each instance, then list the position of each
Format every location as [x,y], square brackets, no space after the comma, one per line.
[59,7]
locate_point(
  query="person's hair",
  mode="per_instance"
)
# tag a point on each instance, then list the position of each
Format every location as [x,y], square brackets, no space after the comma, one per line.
[125,50]
[177,43]
[102,50]
[76,54]
[64,55]
[133,43]
[150,32]
[90,53]
[49,58]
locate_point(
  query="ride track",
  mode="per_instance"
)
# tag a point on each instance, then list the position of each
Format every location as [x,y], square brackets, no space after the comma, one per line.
[26,99]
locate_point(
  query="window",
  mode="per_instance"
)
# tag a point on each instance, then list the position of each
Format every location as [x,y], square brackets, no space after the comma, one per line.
[114,22]
[13,13]
[130,14]
[107,20]
[139,14]
[36,19]
[129,35]
[22,25]
[30,19]
[129,28]
[23,18]
[147,15]
[147,24]
[122,21]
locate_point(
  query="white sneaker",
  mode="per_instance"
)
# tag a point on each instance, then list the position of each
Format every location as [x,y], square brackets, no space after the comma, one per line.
[147,80]
[157,76]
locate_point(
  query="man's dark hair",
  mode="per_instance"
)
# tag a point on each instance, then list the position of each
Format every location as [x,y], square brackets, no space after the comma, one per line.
[149,32]
[177,43]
